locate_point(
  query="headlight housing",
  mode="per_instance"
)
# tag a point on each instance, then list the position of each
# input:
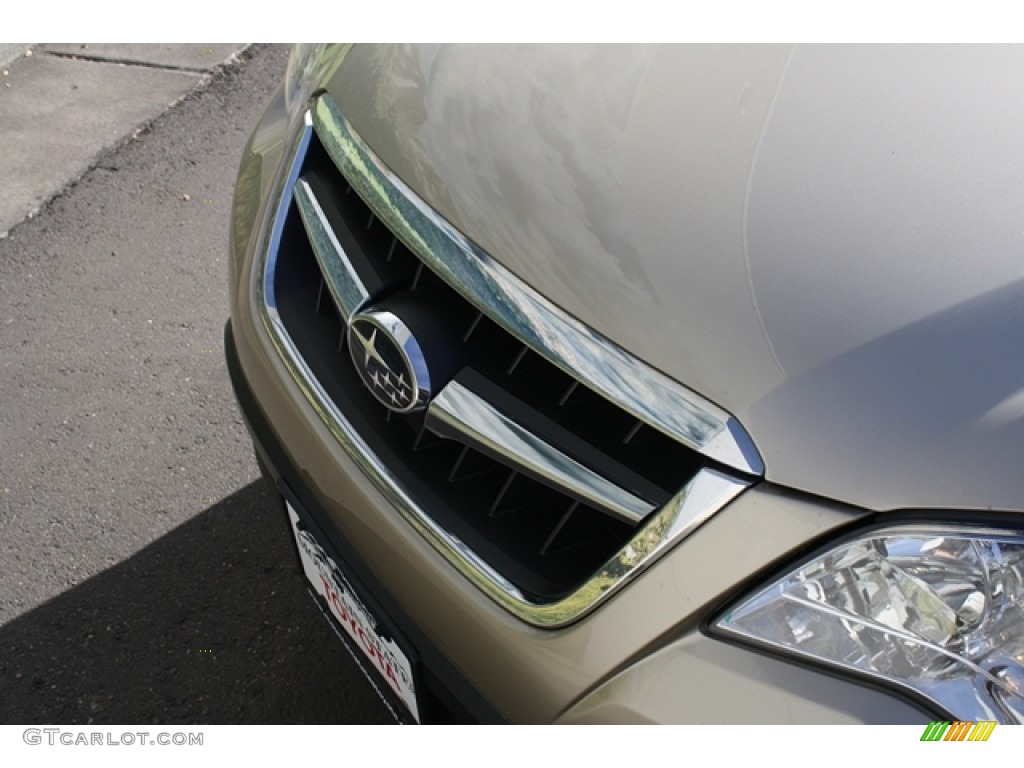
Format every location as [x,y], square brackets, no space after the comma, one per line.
[933,609]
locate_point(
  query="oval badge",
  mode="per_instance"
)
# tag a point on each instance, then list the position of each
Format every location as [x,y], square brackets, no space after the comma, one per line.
[389,360]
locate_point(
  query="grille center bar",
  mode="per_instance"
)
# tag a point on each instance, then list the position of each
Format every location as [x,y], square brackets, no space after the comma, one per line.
[460,413]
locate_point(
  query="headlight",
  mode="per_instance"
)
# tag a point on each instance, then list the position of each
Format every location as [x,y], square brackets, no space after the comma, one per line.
[937,610]
[299,80]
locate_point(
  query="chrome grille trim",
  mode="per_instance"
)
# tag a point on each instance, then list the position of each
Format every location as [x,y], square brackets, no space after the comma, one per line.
[342,281]
[458,412]
[707,491]
[644,392]
[461,413]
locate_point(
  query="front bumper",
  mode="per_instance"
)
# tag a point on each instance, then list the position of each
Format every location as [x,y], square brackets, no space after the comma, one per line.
[446,696]
[641,658]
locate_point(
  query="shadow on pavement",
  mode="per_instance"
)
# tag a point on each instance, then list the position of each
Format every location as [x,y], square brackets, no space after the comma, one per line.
[209,624]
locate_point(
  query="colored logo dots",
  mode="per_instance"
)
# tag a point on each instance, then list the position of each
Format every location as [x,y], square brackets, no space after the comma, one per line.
[966,730]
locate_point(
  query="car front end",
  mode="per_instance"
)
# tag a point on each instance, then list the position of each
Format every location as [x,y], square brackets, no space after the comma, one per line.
[595,389]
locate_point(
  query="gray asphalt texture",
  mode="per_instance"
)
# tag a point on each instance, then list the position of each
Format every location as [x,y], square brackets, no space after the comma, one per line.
[146,574]
[65,104]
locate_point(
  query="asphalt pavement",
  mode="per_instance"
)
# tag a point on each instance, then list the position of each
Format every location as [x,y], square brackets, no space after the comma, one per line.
[146,574]
[62,105]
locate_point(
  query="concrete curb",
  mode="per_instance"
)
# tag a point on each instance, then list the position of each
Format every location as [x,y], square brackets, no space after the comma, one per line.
[65,106]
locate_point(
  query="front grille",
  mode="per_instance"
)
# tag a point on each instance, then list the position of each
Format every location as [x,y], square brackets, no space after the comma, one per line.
[539,531]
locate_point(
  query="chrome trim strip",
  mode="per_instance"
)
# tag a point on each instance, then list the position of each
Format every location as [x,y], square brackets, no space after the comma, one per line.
[346,288]
[644,392]
[707,492]
[461,413]
[270,243]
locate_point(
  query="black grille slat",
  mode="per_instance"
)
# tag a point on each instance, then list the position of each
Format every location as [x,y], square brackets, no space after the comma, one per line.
[541,539]
[473,326]
[471,465]
[522,412]
[575,533]
[496,505]
[566,516]
[360,242]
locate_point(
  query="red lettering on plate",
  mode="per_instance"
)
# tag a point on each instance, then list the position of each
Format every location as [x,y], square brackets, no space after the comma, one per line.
[389,672]
[328,592]
[349,620]
[333,598]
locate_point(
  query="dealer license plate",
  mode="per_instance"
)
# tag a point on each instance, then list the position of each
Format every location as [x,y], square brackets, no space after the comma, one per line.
[382,653]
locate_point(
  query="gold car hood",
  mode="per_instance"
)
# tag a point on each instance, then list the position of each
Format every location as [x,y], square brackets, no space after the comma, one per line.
[827,241]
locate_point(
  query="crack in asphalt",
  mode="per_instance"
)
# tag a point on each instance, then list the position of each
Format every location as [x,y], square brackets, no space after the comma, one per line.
[129,62]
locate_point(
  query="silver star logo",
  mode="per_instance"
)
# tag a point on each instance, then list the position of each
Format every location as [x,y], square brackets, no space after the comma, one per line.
[369,346]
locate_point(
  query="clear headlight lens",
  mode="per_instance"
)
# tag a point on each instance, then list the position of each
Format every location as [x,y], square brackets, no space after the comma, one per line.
[299,79]
[937,610]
